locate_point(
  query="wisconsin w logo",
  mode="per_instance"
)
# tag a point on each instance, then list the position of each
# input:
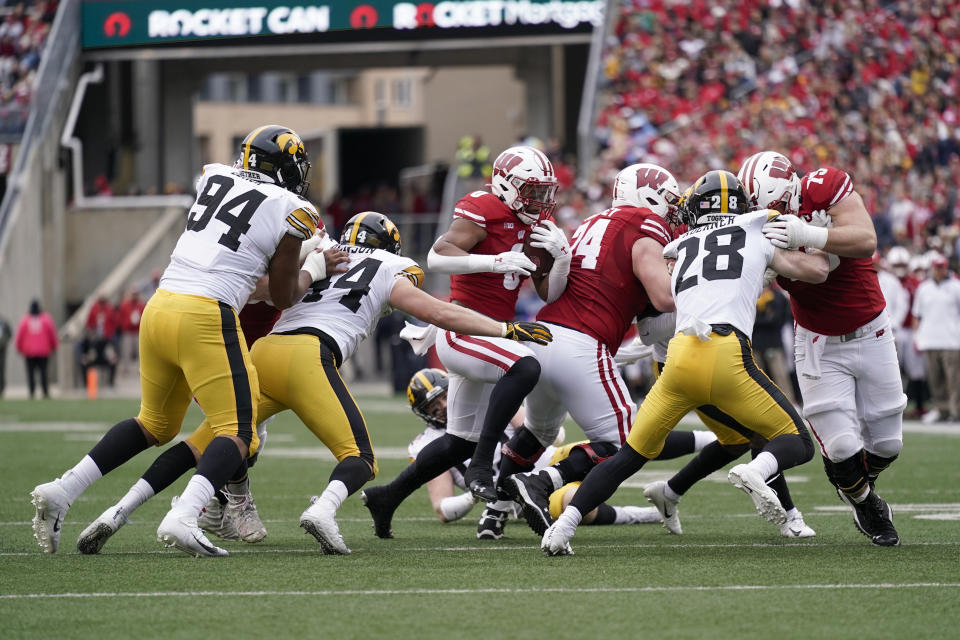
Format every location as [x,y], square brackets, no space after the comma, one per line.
[506,163]
[650,178]
[780,168]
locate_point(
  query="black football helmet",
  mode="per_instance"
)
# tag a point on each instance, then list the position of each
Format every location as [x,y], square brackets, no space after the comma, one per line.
[715,196]
[371,229]
[278,152]
[426,386]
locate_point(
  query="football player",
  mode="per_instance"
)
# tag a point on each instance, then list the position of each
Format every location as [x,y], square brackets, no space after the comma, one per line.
[845,350]
[489,378]
[617,271]
[427,394]
[248,220]
[718,275]
[232,513]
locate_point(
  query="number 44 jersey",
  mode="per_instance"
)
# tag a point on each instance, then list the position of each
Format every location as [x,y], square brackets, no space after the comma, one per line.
[719,271]
[347,306]
[233,230]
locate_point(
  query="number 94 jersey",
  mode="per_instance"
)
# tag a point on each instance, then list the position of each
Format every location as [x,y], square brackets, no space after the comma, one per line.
[719,271]
[233,230]
[347,306]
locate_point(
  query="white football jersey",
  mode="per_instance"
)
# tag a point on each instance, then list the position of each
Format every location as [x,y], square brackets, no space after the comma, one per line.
[233,230]
[719,271]
[348,305]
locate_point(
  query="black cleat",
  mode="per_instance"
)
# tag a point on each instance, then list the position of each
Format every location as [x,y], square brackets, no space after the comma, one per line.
[381,509]
[533,493]
[874,519]
[479,481]
[491,524]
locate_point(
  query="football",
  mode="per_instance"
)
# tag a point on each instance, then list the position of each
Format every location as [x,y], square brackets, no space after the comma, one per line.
[539,257]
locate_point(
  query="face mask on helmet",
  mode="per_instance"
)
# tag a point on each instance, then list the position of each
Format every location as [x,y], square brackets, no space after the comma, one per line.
[524,180]
[278,153]
[427,395]
[716,196]
[649,186]
[372,229]
[770,182]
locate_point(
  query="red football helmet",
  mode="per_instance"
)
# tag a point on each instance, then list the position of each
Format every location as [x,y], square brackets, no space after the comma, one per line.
[523,178]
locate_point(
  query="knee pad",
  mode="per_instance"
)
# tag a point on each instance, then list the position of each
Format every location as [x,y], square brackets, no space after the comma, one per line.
[838,433]
[523,448]
[887,449]
[849,476]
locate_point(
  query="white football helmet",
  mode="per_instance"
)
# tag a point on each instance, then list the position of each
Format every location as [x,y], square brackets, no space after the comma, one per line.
[898,258]
[524,180]
[649,186]
[771,182]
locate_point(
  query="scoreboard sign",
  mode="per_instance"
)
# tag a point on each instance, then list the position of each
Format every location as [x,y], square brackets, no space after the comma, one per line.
[158,22]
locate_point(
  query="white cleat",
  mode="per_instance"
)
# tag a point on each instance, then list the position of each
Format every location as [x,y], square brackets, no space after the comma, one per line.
[764,498]
[97,533]
[795,527]
[51,503]
[642,515]
[183,533]
[318,521]
[213,519]
[244,517]
[667,508]
[555,542]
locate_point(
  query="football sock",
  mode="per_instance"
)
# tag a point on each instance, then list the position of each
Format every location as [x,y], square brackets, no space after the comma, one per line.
[124,440]
[505,399]
[333,496]
[82,475]
[443,453]
[765,464]
[139,493]
[219,463]
[169,465]
[712,457]
[352,472]
[875,464]
[601,482]
[669,493]
[790,449]
[607,515]
[455,507]
[582,459]
[703,438]
[197,493]
[778,482]
[677,443]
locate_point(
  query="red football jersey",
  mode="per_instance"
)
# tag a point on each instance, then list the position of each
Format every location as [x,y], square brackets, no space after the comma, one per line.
[851,296]
[603,296]
[256,320]
[492,294]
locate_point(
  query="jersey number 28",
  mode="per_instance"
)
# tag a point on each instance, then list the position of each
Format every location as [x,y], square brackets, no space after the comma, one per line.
[712,269]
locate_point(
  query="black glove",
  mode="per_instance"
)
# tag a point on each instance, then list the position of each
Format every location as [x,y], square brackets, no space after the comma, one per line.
[528,332]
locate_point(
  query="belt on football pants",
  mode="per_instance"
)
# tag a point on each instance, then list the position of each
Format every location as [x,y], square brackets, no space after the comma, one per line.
[327,341]
[870,327]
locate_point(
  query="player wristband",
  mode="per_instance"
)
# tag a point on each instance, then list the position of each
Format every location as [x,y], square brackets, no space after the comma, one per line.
[503,329]
[316,266]
[815,237]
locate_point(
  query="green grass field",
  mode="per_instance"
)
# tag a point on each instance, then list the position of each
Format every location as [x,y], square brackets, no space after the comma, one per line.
[730,575]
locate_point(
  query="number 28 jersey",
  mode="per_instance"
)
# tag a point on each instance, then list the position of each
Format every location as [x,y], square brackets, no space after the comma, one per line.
[603,296]
[233,230]
[719,271]
[347,306]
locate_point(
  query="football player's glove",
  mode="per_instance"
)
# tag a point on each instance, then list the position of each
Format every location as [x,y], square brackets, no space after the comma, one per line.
[513,262]
[527,332]
[548,236]
[790,232]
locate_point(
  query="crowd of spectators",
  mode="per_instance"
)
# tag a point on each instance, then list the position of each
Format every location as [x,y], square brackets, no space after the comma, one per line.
[24,28]
[868,86]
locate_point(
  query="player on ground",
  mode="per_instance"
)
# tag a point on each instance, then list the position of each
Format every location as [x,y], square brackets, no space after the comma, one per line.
[248,220]
[489,378]
[427,393]
[617,271]
[716,280]
[845,349]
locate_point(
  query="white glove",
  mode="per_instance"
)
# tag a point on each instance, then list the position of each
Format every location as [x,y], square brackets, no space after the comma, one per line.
[790,232]
[547,235]
[630,353]
[316,265]
[820,218]
[420,338]
[513,262]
